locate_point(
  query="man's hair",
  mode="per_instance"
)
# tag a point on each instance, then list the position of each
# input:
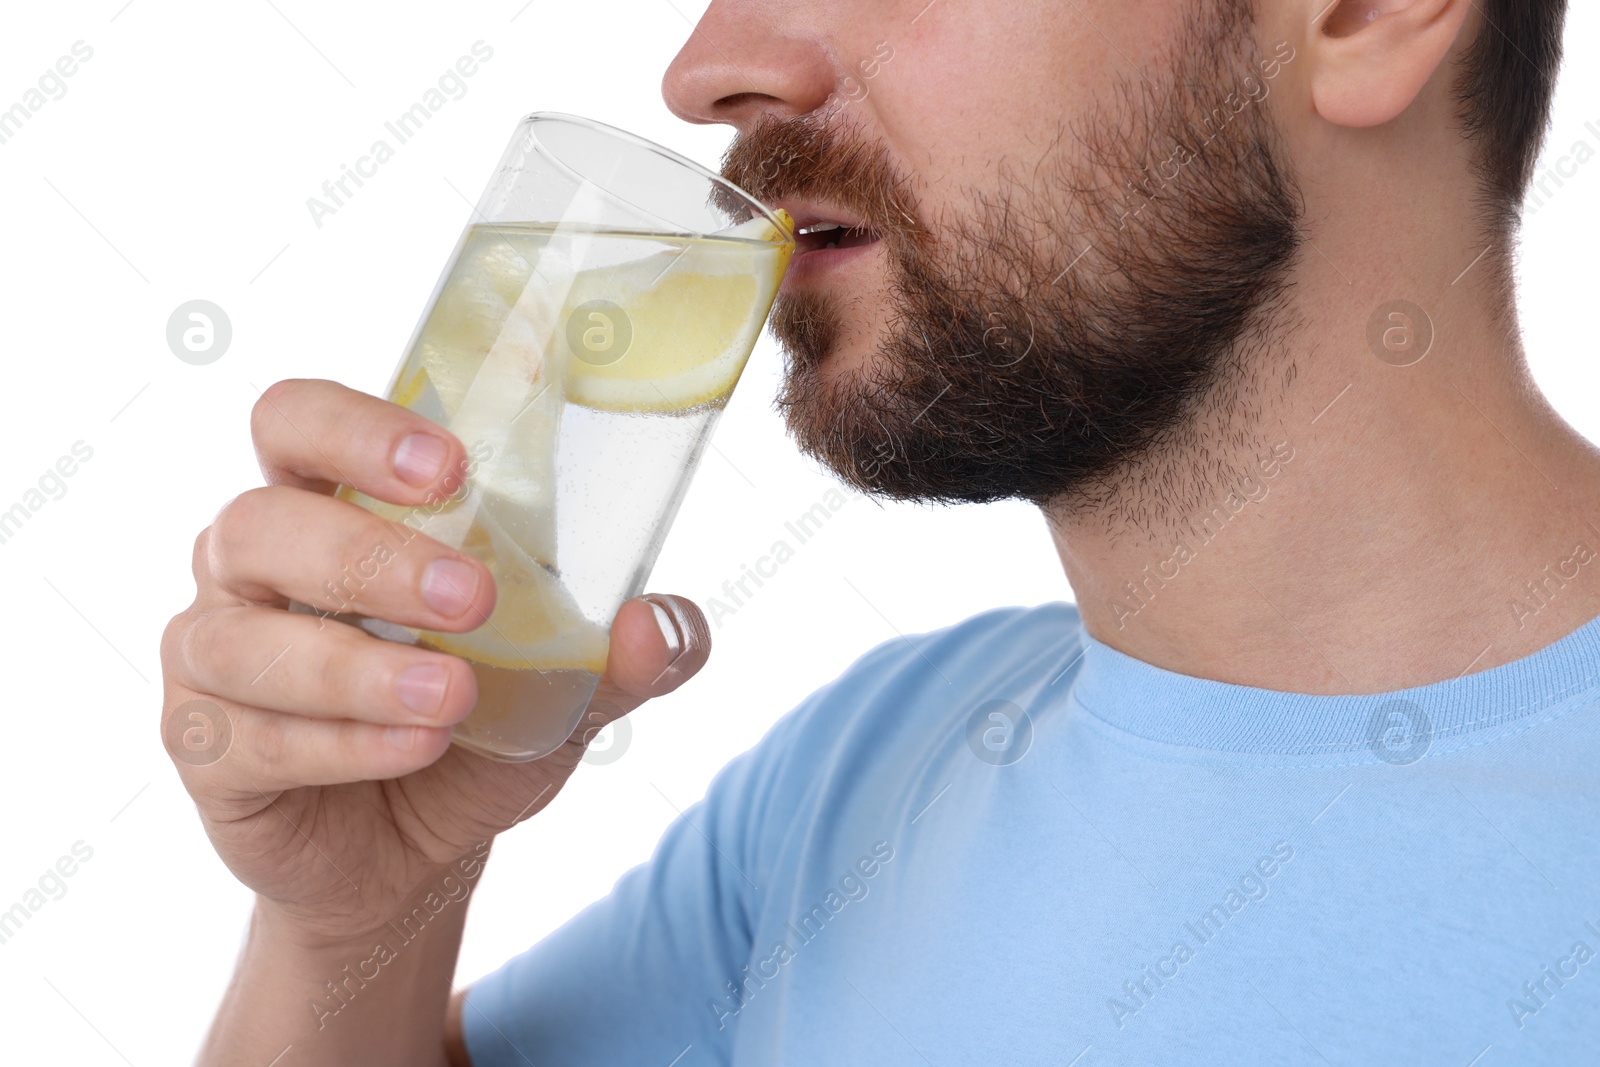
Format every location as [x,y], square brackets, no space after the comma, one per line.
[1504,86]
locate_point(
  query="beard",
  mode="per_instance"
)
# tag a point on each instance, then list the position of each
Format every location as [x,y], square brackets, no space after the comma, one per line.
[1065,338]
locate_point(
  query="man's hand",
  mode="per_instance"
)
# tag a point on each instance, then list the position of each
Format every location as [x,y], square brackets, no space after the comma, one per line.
[340,795]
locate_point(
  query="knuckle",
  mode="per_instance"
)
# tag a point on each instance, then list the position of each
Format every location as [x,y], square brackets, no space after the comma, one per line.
[233,528]
[173,639]
[240,516]
[270,742]
[363,543]
[272,403]
[198,646]
[200,556]
[330,674]
[371,423]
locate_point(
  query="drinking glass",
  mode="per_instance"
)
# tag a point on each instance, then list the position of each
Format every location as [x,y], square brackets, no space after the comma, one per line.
[582,342]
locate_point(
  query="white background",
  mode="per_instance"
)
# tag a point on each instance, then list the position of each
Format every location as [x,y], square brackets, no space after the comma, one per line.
[177,167]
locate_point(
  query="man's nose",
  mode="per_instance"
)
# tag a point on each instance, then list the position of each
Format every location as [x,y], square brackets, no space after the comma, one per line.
[747,58]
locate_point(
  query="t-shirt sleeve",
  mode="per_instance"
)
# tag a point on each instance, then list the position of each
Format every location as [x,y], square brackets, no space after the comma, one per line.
[633,978]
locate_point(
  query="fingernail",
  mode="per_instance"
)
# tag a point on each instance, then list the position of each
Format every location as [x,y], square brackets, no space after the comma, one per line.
[420,458]
[422,688]
[666,613]
[401,737]
[448,586]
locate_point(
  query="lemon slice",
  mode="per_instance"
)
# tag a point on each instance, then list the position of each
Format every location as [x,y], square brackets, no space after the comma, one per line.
[672,331]
[535,623]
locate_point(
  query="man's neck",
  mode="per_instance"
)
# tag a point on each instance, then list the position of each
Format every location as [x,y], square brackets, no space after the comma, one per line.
[1374,527]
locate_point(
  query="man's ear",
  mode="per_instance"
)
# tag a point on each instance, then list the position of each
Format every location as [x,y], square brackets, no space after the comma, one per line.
[1370,58]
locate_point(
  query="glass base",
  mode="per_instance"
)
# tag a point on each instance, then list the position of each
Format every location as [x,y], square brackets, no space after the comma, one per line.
[523,715]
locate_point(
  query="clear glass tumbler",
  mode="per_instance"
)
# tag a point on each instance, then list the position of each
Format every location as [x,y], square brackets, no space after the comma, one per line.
[582,342]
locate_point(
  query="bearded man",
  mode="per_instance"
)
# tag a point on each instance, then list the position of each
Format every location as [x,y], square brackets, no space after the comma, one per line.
[1305,775]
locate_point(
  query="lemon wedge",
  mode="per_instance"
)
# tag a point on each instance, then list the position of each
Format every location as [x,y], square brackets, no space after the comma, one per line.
[535,623]
[672,331]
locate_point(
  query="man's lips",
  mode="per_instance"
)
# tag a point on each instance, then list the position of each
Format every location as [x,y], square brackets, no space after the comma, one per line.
[832,235]
[826,239]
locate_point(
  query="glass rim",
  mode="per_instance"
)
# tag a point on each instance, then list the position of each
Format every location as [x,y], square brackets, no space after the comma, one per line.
[534,118]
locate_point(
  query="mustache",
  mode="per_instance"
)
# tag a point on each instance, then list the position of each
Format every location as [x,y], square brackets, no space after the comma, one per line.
[815,157]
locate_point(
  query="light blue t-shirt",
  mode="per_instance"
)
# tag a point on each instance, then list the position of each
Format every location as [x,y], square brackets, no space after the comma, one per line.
[1006,843]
